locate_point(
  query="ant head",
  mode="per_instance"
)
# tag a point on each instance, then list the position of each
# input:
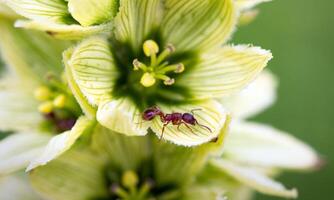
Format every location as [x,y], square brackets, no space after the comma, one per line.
[189,118]
[151,112]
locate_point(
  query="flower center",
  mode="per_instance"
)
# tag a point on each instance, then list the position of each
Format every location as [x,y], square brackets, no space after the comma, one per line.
[57,105]
[159,67]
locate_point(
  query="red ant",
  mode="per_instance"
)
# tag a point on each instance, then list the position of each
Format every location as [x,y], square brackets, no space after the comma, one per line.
[174,118]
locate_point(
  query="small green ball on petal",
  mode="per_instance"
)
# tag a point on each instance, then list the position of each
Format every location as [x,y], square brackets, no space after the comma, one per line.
[147,80]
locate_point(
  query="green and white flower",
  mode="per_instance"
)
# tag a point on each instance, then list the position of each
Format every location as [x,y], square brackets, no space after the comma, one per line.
[172,57]
[70,19]
[35,103]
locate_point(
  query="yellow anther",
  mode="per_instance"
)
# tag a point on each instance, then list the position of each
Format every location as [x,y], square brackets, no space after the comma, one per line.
[42,93]
[180,68]
[170,81]
[147,80]
[150,48]
[46,107]
[138,65]
[130,179]
[59,101]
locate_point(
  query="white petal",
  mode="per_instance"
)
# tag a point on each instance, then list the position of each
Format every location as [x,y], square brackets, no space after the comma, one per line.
[211,114]
[254,179]
[262,145]
[255,98]
[93,68]
[248,4]
[17,150]
[16,188]
[63,31]
[121,116]
[62,142]
[52,10]
[18,109]
[198,25]
[224,71]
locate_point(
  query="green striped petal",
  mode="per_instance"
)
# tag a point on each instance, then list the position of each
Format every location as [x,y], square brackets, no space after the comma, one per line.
[41,10]
[198,25]
[255,98]
[210,114]
[16,187]
[248,4]
[136,20]
[264,146]
[17,150]
[63,31]
[93,68]
[5,11]
[76,175]
[225,71]
[44,52]
[254,179]
[121,116]
[88,12]
[62,142]
[123,152]
[18,109]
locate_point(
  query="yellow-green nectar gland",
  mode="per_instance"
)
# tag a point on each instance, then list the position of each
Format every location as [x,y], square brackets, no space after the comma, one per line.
[158,67]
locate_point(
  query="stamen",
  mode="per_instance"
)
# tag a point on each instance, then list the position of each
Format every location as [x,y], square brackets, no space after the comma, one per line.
[177,68]
[46,107]
[150,48]
[138,65]
[42,93]
[168,51]
[167,80]
[59,101]
[147,80]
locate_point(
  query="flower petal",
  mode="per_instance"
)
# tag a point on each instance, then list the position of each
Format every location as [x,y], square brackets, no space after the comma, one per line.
[225,71]
[255,98]
[88,12]
[15,115]
[248,4]
[136,20]
[17,150]
[44,52]
[126,153]
[121,116]
[16,188]
[76,175]
[62,142]
[63,31]
[5,11]
[197,192]
[212,115]
[93,68]
[199,25]
[254,179]
[262,145]
[51,10]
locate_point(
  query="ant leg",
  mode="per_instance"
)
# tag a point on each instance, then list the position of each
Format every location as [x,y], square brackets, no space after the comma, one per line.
[203,126]
[163,130]
[188,127]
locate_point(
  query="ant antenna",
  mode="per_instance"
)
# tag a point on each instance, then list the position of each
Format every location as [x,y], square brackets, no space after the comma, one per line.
[196,109]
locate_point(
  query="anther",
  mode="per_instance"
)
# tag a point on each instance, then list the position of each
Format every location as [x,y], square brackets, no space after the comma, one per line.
[170,48]
[46,107]
[180,68]
[59,101]
[170,81]
[147,80]
[150,48]
[42,93]
[136,64]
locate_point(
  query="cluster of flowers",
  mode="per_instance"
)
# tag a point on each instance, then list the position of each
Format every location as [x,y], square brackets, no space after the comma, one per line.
[78,74]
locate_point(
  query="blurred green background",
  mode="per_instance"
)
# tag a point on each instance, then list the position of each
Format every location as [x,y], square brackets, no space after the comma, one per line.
[300,34]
